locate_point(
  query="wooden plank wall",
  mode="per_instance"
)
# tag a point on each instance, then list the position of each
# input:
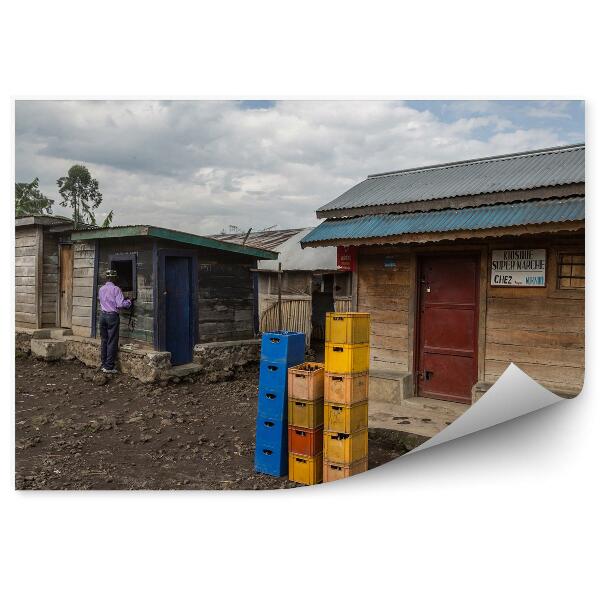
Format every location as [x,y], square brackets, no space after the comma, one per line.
[541,330]
[143,323]
[225,297]
[384,293]
[83,286]
[27,242]
[50,281]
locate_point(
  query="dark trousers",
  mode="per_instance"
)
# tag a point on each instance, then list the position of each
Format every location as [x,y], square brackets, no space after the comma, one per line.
[109,334]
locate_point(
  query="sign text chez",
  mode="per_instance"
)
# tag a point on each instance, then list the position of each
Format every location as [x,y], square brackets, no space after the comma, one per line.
[519,268]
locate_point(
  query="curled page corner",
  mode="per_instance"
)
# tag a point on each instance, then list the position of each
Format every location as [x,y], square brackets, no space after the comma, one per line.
[514,394]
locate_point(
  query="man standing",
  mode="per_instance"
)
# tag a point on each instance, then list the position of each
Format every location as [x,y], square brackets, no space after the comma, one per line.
[111,300]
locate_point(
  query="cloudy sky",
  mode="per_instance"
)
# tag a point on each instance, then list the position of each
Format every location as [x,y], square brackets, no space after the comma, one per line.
[202,166]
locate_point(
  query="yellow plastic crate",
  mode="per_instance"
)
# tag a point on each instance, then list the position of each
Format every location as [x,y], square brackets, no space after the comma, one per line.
[333,471]
[344,388]
[306,469]
[345,448]
[305,413]
[346,418]
[347,327]
[346,358]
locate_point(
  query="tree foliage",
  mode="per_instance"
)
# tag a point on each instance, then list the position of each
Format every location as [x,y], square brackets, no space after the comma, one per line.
[29,200]
[81,192]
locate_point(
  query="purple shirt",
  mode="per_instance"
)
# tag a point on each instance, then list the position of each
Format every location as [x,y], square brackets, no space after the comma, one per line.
[111,298]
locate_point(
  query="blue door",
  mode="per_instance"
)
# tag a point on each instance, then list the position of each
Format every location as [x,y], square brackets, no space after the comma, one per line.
[178,308]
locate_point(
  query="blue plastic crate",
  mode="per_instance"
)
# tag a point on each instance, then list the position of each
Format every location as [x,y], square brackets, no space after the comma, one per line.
[272,403]
[271,460]
[272,375]
[282,346]
[271,432]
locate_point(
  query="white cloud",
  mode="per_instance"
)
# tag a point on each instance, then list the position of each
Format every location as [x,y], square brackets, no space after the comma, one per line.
[200,166]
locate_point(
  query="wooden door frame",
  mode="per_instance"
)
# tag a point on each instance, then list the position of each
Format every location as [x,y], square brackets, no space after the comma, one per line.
[481,256]
[61,245]
[160,307]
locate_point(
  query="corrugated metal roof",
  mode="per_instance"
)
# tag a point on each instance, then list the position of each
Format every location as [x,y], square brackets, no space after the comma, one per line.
[522,171]
[267,240]
[124,231]
[483,217]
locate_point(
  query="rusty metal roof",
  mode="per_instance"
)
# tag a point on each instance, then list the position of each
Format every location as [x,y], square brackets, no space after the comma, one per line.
[508,172]
[555,210]
[267,240]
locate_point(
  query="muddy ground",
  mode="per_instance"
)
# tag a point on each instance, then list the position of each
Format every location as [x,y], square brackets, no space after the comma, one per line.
[77,429]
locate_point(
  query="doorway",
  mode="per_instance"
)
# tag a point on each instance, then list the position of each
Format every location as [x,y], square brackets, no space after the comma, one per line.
[177,308]
[65,299]
[447,340]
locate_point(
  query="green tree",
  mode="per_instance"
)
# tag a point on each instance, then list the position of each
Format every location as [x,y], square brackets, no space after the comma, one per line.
[81,192]
[29,200]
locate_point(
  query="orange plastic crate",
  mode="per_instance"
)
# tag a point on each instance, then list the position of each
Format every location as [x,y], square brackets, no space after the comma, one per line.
[346,389]
[305,381]
[334,471]
[308,442]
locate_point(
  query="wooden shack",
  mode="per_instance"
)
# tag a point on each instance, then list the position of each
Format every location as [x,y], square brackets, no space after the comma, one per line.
[43,272]
[466,267]
[187,289]
[311,283]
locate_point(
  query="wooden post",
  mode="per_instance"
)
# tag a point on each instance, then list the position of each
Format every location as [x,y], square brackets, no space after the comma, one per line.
[279,316]
[354,283]
[39,276]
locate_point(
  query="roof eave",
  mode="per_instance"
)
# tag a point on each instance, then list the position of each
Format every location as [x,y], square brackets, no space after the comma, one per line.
[171,235]
[439,236]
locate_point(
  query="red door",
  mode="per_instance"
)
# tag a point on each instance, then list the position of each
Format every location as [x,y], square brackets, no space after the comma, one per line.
[448,315]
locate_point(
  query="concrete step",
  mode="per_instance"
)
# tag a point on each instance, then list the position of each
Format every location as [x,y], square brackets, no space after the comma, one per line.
[48,349]
[421,416]
[181,371]
[60,333]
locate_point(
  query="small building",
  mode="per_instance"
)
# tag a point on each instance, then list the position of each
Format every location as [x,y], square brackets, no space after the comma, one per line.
[43,272]
[311,282]
[187,289]
[466,267]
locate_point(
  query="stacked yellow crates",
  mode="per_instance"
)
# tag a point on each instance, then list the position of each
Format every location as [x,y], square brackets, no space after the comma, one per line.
[345,439]
[305,423]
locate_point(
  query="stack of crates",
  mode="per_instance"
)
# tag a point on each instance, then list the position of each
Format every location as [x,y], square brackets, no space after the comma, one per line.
[280,350]
[305,422]
[346,415]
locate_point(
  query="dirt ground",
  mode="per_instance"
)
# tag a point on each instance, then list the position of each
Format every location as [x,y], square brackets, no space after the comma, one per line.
[77,429]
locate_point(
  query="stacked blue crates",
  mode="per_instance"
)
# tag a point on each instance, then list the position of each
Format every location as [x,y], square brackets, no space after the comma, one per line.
[280,350]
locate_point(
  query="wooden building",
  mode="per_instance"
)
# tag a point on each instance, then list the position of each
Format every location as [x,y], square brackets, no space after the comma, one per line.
[187,289]
[311,283]
[43,272]
[466,267]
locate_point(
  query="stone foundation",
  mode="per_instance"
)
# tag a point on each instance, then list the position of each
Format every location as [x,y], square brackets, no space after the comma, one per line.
[147,366]
[220,360]
[217,360]
[23,340]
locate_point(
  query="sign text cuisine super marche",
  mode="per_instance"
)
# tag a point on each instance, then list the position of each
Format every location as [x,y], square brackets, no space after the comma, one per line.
[519,268]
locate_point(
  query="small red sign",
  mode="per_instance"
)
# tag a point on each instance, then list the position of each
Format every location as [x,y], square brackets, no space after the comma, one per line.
[346,258]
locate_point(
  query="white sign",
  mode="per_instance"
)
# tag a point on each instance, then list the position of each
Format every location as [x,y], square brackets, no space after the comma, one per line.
[519,268]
